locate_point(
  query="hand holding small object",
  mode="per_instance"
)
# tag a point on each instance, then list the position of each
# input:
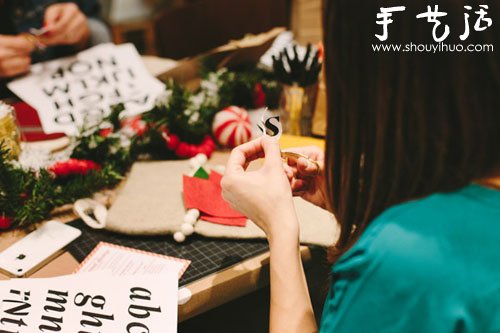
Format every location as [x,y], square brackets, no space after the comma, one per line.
[303,166]
[15,55]
[307,174]
[263,195]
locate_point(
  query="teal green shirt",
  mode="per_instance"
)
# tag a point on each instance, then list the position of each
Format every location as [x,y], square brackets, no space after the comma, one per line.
[430,265]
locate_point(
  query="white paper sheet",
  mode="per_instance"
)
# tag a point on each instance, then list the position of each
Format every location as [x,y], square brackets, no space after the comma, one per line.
[92,302]
[71,91]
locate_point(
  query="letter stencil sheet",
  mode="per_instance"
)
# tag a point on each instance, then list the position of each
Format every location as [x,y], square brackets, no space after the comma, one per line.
[75,91]
[90,302]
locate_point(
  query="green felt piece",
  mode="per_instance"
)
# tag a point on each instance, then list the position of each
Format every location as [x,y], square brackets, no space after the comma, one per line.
[201,173]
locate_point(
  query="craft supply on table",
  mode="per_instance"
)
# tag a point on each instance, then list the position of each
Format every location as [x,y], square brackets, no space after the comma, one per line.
[107,74]
[87,301]
[299,76]
[205,195]
[121,260]
[207,255]
[151,203]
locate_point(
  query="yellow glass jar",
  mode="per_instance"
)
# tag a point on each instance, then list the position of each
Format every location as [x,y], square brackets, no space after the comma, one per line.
[9,133]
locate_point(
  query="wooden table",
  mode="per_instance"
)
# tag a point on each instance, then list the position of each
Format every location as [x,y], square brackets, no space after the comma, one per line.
[208,292]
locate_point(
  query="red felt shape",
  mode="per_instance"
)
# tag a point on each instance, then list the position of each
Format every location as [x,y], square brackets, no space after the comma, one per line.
[229,221]
[206,196]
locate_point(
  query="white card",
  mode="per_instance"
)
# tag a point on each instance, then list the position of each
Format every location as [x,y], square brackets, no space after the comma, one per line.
[120,260]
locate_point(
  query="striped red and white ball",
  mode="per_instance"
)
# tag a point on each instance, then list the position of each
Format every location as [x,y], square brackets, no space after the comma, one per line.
[231,127]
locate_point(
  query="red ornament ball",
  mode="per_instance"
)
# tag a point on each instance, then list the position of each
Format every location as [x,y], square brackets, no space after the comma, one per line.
[231,127]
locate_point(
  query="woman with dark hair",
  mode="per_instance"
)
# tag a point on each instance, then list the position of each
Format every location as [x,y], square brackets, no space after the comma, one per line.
[412,174]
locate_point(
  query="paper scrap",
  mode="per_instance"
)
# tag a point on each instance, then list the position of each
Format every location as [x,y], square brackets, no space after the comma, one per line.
[121,260]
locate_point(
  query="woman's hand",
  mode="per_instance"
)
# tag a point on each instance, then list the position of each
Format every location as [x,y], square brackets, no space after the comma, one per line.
[307,181]
[264,195]
[68,25]
[15,55]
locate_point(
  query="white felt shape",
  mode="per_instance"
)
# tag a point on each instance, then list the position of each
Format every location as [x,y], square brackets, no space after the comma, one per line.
[193,212]
[201,158]
[179,237]
[85,207]
[187,229]
[189,219]
[184,295]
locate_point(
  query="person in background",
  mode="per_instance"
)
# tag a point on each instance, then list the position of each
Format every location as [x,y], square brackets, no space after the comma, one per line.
[71,27]
[412,174]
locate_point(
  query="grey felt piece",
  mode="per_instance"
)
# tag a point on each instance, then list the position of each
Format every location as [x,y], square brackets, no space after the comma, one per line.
[150,203]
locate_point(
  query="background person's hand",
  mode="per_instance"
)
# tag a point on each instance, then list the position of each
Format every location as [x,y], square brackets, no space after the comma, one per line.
[15,55]
[67,24]
[307,181]
[264,195]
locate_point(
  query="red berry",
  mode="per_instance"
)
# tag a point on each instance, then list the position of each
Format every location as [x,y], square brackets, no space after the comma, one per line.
[5,222]
[259,97]
[105,132]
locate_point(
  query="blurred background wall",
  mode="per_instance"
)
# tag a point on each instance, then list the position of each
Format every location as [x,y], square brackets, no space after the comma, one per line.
[181,28]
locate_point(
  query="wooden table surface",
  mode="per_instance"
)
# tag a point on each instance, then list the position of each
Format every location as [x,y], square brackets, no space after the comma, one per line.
[208,292]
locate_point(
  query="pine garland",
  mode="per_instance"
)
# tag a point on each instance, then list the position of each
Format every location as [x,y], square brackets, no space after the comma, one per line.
[28,196]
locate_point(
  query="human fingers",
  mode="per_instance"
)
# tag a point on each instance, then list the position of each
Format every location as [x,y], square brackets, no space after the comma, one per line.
[52,14]
[243,154]
[289,171]
[272,151]
[18,44]
[307,168]
[14,66]
[76,29]
[59,17]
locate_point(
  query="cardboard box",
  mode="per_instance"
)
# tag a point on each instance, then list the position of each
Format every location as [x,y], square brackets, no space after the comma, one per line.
[244,51]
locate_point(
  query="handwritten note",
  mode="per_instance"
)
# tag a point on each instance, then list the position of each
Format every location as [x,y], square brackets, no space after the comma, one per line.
[73,91]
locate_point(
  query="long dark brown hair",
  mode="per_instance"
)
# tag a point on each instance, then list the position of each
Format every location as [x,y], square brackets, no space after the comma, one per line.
[402,125]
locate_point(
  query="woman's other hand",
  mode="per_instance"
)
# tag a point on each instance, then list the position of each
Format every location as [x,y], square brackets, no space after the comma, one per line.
[15,55]
[264,195]
[308,181]
[67,24]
